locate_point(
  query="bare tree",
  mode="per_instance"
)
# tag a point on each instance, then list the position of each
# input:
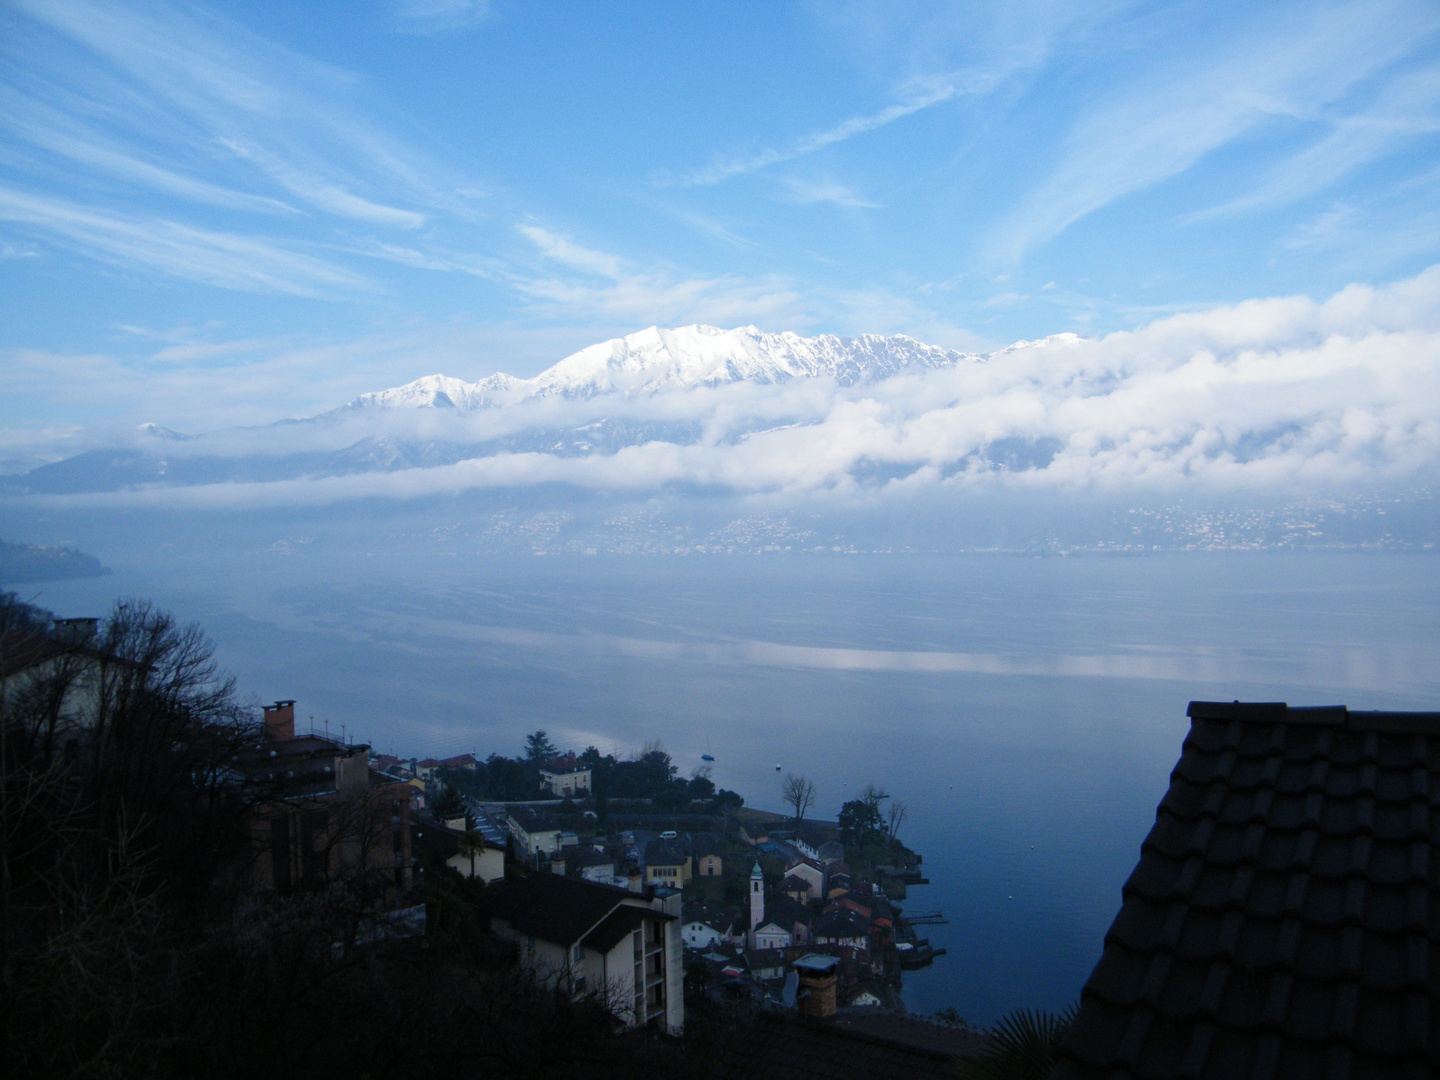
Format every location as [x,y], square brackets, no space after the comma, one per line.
[798,792]
[871,795]
[898,814]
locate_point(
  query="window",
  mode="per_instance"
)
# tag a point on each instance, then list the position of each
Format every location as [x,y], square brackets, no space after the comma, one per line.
[577,953]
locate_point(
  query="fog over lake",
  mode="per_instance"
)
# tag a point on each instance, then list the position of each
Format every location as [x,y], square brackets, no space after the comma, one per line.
[1028,710]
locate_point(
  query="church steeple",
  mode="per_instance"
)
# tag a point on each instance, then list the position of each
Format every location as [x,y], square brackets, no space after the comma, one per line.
[757,901]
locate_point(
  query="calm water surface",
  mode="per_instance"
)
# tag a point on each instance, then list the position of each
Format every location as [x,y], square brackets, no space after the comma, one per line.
[1028,710]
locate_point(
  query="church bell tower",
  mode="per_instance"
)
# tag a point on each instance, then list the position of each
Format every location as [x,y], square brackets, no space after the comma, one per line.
[757,901]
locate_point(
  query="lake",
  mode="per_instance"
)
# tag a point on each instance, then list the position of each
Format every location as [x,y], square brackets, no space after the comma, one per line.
[1028,710]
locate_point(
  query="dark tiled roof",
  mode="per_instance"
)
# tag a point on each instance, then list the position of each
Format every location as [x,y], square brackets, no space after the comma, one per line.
[433,837]
[590,857]
[1284,918]
[532,821]
[661,853]
[840,923]
[618,925]
[711,915]
[554,908]
[756,959]
[956,1040]
[19,650]
[778,1047]
[787,912]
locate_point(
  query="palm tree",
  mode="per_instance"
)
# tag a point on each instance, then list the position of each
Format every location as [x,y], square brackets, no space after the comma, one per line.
[1022,1046]
[471,844]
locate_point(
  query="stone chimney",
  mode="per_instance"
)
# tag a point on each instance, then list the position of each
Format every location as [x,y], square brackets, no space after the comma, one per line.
[280,721]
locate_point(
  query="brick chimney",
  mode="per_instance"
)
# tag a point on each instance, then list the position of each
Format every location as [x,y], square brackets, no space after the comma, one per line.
[817,985]
[280,721]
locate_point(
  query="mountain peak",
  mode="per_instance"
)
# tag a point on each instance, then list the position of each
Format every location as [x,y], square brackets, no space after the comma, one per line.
[657,359]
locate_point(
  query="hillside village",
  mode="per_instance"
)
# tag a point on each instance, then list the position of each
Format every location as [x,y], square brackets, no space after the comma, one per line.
[756,893]
[190,885]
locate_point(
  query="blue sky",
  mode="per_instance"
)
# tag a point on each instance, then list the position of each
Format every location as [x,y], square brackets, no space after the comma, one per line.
[214,215]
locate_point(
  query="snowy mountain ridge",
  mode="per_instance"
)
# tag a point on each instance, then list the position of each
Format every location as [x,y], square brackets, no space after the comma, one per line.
[656,360]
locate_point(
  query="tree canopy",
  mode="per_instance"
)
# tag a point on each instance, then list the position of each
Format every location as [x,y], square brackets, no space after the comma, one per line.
[860,823]
[538,747]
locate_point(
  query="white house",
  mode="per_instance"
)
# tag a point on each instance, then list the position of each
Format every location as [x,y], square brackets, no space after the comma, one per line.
[702,926]
[534,833]
[595,941]
[810,872]
[565,778]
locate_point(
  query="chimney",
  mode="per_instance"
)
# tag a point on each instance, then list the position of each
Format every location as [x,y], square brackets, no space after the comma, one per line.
[280,721]
[76,631]
[816,995]
[635,880]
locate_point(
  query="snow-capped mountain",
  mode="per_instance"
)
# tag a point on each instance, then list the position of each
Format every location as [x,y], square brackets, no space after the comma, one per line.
[657,360]
[607,397]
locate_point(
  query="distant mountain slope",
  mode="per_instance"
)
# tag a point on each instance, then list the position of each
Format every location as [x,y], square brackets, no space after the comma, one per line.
[599,401]
[45,562]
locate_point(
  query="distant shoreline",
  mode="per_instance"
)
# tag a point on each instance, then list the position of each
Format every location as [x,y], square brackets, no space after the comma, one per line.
[24,563]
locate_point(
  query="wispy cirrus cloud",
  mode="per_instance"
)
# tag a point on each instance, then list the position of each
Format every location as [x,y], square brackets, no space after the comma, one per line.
[924,94]
[609,287]
[806,191]
[1274,68]
[227,260]
[173,113]
[1406,108]
[441,16]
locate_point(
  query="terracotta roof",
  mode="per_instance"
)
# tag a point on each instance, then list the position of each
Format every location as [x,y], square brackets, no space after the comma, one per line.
[1284,918]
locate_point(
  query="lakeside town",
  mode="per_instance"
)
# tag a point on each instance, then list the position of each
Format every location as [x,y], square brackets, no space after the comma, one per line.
[193,887]
[193,890]
[760,896]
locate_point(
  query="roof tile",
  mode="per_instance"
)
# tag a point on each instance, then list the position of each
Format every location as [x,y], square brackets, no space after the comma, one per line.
[1279,922]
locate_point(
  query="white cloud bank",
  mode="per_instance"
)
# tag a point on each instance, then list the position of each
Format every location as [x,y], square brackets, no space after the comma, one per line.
[1276,395]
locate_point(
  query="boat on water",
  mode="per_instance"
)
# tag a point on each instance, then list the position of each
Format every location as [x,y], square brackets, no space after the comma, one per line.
[706,757]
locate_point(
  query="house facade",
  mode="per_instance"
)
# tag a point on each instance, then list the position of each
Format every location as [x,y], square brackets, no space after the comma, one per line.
[708,862]
[809,871]
[534,833]
[704,925]
[329,818]
[616,947]
[666,864]
[565,778]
